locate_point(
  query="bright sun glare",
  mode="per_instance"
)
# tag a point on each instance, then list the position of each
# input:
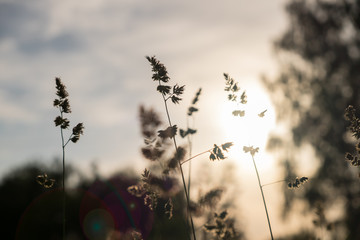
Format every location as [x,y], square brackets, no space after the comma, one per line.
[251,129]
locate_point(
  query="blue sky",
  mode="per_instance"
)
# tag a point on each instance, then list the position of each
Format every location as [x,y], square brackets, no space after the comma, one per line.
[98,49]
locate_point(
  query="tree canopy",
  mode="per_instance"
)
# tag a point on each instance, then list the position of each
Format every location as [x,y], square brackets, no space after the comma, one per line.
[319,57]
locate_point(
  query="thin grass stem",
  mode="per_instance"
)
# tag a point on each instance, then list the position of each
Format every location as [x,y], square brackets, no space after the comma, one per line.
[63,182]
[182,172]
[263,197]
[273,183]
[190,155]
[68,140]
[189,179]
[189,159]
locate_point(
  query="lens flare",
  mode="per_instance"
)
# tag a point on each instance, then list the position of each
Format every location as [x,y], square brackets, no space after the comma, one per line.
[97,224]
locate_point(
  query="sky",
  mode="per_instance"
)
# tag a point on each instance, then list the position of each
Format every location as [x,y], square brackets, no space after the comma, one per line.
[98,49]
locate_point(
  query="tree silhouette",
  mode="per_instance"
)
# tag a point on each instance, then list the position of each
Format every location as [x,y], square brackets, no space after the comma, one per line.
[319,56]
[22,198]
[98,208]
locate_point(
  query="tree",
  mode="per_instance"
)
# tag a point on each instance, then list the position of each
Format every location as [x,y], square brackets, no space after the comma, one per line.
[320,76]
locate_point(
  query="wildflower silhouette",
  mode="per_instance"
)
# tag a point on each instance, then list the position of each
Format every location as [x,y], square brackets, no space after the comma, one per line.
[234,95]
[233,89]
[222,228]
[44,181]
[350,115]
[297,182]
[252,152]
[320,221]
[136,235]
[216,153]
[251,149]
[160,75]
[63,104]
[152,187]
[292,184]
[211,197]
[190,131]
[169,208]
[169,132]
[156,141]
[262,114]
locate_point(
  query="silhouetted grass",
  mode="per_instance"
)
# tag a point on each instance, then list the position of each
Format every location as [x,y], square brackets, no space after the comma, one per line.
[63,104]
[159,185]
[240,98]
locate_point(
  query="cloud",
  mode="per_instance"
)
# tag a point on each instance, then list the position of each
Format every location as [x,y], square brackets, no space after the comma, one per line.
[60,44]
[98,48]
[14,113]
[14,20]
[28,27]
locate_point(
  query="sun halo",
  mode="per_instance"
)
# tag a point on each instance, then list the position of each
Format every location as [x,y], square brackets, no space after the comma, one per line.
[253,128]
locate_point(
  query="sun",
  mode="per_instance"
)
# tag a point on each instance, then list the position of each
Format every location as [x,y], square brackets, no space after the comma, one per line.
[254,127]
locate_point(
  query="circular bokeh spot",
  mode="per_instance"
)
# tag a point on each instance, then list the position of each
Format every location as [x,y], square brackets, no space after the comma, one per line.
[132,206]
[97,224]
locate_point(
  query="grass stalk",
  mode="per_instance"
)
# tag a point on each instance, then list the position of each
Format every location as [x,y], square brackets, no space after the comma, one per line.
[263,197]
[62,103]
[191,110]
[189,159]
[190,155]
[181,171]
[63,183]
[267,184]
[189,179]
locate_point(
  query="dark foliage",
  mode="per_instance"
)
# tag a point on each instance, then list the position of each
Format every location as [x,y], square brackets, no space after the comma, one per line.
[319,79]
[33,212]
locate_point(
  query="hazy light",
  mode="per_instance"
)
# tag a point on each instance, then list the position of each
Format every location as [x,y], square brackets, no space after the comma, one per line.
[251,129]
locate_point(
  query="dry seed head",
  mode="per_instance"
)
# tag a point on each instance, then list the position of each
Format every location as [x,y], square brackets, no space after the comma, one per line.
[297,183]
[262,114]
[243,98]
[152,153]
[357,147]
[44,181]
[61,89]
[178,157]
[169,208]
[159,70]
[65,106]
[136,235]
[349,156]
[169,132]
[211,198]
[136,190]
[196,98]
[239,113]
[62,122]
[251,149]
[78,129]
